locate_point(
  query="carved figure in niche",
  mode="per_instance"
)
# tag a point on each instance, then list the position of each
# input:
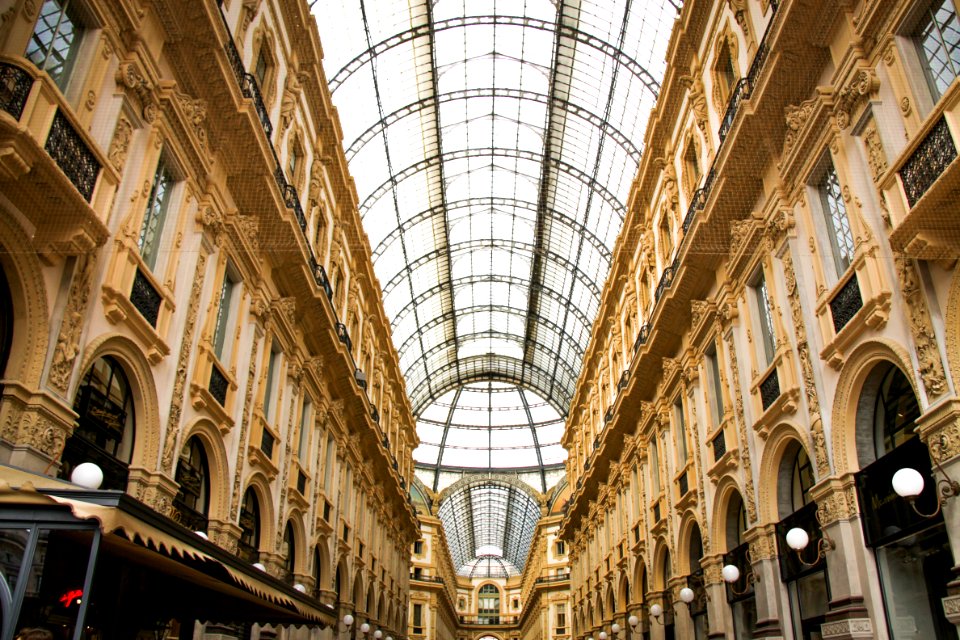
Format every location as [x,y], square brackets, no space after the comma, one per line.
[288,104]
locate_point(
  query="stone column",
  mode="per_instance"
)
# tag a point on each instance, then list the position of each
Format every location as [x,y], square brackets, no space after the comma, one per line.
[940,429]
[838,512]
[718,612]
[767,584]
[683,623]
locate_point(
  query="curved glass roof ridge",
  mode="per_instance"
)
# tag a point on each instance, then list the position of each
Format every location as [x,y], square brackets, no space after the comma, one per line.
[493,144]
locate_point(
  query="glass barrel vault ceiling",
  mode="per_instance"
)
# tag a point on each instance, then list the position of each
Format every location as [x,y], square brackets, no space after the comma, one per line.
[493,144]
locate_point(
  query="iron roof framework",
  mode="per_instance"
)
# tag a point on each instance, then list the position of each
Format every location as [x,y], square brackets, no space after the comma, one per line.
[493,144]
[489,519]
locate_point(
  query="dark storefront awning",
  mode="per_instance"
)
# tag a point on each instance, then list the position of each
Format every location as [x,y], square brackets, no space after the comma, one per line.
[151,566]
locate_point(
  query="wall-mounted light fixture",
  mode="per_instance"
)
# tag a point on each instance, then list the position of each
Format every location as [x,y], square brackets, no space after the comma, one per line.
[908,483]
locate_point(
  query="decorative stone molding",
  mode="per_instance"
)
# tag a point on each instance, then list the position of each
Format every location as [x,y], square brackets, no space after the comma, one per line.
[848,629]
[796,117]
[836,500]
[68,342]
[745,455]
[120,144]
[861,85]
[876,156]
[183,360]
[132,80]
[928,352]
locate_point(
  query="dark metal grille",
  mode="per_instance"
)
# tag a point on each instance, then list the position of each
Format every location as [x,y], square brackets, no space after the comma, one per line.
[736,97]
[218,385]
[928,161]
[320,276]
[608,416]
[642,336]
[252,90]
[145,298]
[15,84]
[236,62]
[624,379]
[846,304]
[719,445]
[683,484]
[344,336]
[292,200]
[666,279]
[266,443]
[769,389]
[71,154]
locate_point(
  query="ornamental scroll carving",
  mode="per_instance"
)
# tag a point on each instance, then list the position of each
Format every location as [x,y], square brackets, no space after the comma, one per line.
[841,504]
[183,362]
[863,83]
[876,156]
[244,426]
[120,144]
[698,99]
[132,80]
[928,354]
[701,499]
[745,458]
[195,109]
[796,117]
[68,342]
[806,367]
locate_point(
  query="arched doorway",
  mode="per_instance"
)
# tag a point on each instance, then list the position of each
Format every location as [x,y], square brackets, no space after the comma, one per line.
[740,594]
[911,551]
[105,424]
[248,548]
[805,575]
[193,497]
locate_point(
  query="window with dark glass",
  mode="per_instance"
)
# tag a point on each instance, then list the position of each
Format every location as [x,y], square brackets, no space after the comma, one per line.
[190,504]
[317,572]
[105,424]
[681,433]
[261,68]
[937,37]
[249,544]
[836,219]
[418,547]
[768,340]
[417,618]
[273,371]
[489,604]
[224,325]
[715,391]
[895,413]
[726,73]
[55,40]
[306,415]
[154,218]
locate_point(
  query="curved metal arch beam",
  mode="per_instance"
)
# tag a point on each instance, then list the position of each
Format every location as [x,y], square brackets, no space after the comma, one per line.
[516,154]
[488,201]
[536,440]
[522,340]
[521,248]
[465,203]
[427,30]
[493,92]
[484,373]
[454,313]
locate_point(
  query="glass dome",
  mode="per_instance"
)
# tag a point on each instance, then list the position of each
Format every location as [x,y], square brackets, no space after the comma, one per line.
[490,426]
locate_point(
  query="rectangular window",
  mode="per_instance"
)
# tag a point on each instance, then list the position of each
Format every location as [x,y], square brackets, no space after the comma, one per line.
[937,37]
[561,615]
[561,548]
[681,431]
[224,316]
[305,417]
[273,370]
[55,40]
[154,218]
[835,216]
[767,335]
[260,70]
[331,453]
[654,466]
[418,547]
[418,615]
[715,386]
[293,164]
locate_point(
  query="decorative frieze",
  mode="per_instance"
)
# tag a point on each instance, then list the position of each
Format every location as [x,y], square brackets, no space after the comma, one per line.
[746,461]
[68,342]
[928,352]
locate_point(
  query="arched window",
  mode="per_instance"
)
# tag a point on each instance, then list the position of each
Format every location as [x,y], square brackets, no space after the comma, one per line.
[191,504]
[249,544]
[666,238]
[488,606]
[338,583]
[105,424]
[895,413]
[691,168]
[289,552]
[698,608]
[725,72]
[801,480]
[740,595]
[317,572]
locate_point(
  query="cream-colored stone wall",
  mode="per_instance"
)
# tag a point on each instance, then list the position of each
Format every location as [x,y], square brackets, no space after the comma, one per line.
[260,195]
[726,194]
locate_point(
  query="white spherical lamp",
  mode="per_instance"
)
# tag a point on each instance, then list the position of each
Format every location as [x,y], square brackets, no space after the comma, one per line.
[87,475]
[602,635]
[633,621]
[365,628]
[202,534]
[259,565]
[797,539]
[347,620]
[730,573]
[686,595]
[615,628]
[389,637]
[656,610]
[589,637]
[299,587]
[907,482]
[378,634]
